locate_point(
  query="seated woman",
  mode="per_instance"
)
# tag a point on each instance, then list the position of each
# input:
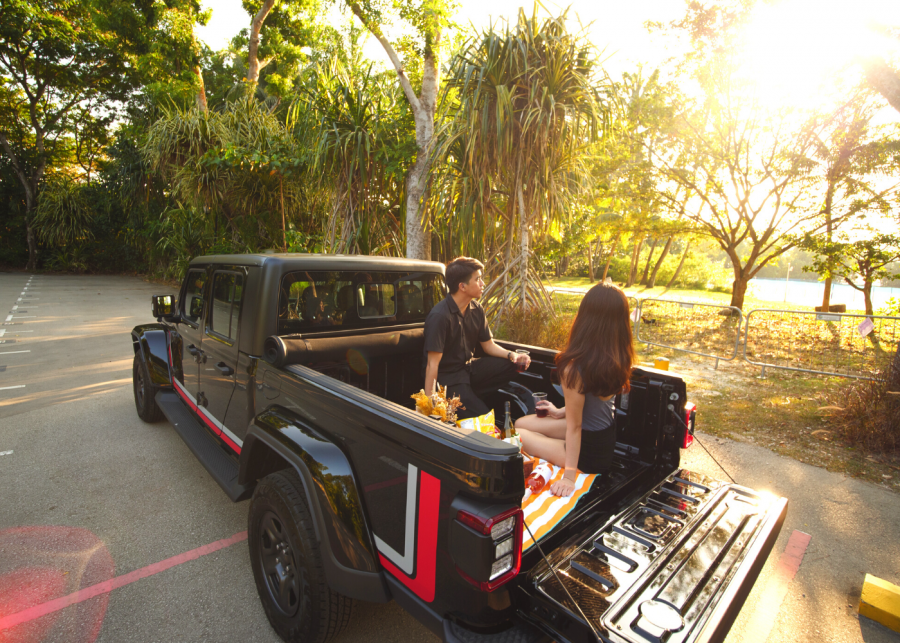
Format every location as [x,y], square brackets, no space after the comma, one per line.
[594,367]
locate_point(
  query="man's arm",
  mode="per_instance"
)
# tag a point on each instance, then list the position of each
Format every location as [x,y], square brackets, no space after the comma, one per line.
[490,348]
[431,371]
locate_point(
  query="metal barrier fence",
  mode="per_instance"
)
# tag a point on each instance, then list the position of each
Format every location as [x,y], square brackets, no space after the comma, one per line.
[710,330]
[839,344]
[845,345]
[567,300]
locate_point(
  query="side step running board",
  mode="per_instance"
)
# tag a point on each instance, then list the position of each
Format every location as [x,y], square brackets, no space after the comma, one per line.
[222,468]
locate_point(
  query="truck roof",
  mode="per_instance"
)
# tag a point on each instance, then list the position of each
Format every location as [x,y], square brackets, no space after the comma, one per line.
[300,261]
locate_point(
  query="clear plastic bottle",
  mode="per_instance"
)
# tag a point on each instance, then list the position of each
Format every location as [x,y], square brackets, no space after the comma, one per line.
[538,479]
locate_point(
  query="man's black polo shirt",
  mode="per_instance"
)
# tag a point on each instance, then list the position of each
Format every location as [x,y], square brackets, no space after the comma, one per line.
[455,335]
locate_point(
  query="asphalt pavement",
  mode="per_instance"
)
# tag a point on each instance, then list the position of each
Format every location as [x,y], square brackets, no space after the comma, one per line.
[91,494]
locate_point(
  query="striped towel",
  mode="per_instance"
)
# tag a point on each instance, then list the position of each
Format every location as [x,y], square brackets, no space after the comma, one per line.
[544,511]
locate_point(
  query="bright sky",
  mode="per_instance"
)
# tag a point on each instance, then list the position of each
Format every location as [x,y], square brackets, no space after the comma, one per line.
[794,47]
[617,26]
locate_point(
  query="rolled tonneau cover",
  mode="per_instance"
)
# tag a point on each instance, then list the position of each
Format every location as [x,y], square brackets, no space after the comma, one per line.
[284,351]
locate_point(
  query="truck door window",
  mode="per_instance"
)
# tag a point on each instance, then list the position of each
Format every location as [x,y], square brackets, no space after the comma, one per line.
[192,302]
[226,304]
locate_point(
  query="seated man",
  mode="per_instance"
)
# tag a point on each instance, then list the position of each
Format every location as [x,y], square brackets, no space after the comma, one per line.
[452,329]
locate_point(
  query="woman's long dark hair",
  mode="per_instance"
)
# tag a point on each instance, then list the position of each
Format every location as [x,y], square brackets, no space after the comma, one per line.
[600,352]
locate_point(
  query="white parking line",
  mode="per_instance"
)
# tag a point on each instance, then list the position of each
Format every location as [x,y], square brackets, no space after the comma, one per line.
[14,352]
[6,452]
[23,317]
[6,388]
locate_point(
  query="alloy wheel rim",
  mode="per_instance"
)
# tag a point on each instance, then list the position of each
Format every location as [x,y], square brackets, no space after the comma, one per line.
[278,565]
[139,387]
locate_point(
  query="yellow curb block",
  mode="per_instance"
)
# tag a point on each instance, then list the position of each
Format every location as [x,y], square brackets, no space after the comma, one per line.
[880,601]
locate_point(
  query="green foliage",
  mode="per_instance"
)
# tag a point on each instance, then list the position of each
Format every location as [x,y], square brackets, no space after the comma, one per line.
[535,328]
[891,307]
[526,107]
[68,259]
[356,129]
[865,259]
[64,215]
[184,233]
[288,31]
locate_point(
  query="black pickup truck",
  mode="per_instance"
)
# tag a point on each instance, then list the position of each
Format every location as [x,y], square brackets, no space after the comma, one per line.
[289,377]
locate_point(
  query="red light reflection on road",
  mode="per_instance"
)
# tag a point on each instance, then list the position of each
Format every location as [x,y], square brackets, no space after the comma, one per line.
[38,564]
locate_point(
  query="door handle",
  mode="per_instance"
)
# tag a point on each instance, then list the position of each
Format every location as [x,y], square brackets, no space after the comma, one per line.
[224,368]
[199,355]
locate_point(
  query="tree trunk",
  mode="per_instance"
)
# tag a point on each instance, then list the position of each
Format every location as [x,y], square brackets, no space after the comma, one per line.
[564,265]
[885,80]
[30,183]
[738,290]
[829,202]
[254,66]
[649,259]
[590,255]
[867,296]
[826,297]
[523,240]
[651,283]
[32,244]
[609,257]
[418,234]
[677,272]
[201,91]
[423,106]
[635,254]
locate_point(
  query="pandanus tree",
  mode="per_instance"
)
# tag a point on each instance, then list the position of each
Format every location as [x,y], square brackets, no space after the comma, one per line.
[353,126]
[240,162]
[525,107]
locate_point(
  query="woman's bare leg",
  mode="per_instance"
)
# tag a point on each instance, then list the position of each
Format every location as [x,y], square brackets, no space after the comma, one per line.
[537,444]
[547,426]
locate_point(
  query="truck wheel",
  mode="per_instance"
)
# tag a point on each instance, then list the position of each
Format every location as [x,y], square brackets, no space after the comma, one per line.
[144,392]
[287,564]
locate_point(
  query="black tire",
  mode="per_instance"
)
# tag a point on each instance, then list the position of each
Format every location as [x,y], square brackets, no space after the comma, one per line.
[144,392]
[287,564]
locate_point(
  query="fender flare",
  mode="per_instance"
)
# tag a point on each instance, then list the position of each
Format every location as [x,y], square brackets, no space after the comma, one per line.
[278,439]
[151,340]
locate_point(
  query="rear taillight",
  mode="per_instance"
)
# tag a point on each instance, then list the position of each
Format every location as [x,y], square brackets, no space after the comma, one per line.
[690,415]
[505,556]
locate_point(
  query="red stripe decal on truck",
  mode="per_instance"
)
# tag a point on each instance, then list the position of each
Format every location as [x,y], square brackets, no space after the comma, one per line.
[426,542]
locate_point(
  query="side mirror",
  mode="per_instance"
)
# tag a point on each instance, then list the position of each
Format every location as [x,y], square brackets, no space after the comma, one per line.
[162,305]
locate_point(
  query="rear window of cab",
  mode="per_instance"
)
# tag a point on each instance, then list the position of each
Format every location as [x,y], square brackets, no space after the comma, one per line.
[323,301]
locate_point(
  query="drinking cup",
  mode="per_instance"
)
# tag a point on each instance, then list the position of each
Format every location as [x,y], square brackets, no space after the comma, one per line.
[540,410]
[520,365]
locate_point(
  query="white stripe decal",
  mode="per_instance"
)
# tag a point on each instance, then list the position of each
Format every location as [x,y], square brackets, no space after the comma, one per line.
[209,415]
[406,561]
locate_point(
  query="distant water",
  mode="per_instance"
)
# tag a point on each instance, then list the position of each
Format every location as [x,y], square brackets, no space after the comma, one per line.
[809,293]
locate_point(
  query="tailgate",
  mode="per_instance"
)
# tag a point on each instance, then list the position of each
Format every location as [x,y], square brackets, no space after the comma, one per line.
[675,566]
